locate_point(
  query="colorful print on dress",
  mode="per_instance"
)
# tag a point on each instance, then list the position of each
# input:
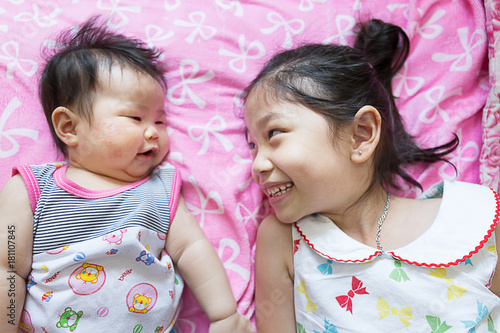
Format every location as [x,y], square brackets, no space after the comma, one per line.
[436,325]
[87,279]
[58,250]
[141,298]
[47,296]
[491,325]
[69,319]
[79,257]
[146,257]
[482,312]
[492,249]
[31,282]
[454,291]
[115,237]
[310,306]
[345,301]
[25,324]
[326,268]
[111,252]
[296,244]
[329,328]
[398,274]
[102,312]
[405,314]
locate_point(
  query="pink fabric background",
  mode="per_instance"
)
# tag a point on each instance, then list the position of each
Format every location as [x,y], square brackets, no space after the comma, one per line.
[214,48]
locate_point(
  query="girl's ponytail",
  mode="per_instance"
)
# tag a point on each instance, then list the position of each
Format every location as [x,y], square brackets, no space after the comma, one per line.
[385,46]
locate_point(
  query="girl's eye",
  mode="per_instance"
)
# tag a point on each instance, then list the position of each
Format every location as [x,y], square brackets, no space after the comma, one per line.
[251,145]
[159,122]
[136,118]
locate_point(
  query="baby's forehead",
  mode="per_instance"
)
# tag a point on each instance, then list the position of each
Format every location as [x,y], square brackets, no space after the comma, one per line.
[117,70]
[109,76]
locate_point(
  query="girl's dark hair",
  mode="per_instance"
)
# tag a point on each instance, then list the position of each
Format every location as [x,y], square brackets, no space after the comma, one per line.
[336,81]
[71,74]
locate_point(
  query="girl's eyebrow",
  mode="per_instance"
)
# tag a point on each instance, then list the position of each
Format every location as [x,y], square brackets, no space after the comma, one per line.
[262,121]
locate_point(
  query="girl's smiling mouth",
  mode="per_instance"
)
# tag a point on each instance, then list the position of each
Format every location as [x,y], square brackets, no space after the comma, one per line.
[276,191]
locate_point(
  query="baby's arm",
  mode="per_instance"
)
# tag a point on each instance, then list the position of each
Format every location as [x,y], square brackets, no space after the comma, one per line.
[274,277]
[16,241]
[203,271]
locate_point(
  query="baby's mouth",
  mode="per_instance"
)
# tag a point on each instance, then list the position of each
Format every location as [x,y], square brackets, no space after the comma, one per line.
[279,190]
[149,153]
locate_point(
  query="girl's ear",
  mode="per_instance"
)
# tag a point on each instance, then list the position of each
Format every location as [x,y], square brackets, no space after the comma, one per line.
[365,133]
[64,122]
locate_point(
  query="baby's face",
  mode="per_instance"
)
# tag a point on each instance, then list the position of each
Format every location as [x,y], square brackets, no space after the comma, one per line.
[127,136]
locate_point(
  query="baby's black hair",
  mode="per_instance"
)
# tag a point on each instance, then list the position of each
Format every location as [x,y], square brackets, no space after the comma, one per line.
[71,74]
[337,80]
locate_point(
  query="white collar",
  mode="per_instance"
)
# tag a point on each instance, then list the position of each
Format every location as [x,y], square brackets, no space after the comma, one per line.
[465,221]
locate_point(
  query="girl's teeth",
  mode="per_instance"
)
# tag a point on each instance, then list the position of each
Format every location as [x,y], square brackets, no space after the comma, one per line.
[279,190]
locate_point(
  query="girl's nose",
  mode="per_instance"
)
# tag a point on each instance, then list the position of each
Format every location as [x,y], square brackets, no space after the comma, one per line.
[261,164]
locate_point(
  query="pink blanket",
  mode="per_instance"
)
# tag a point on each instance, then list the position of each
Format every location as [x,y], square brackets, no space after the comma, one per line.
[213,49]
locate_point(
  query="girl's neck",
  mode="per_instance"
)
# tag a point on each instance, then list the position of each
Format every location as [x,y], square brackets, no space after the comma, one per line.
[406,220]
[360,219]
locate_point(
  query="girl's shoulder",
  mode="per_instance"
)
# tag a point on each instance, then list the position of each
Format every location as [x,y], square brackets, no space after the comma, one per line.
[274,243]
[273,231]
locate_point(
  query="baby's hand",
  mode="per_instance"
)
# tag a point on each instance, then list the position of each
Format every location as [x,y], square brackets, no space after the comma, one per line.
[236,323]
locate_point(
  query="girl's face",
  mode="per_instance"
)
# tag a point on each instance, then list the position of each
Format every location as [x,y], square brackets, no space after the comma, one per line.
[295,161]
[127,136]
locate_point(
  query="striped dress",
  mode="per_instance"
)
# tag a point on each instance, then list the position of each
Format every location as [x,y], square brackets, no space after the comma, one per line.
[98,256]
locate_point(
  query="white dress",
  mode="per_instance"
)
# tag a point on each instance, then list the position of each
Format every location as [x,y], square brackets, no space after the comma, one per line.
[438,283]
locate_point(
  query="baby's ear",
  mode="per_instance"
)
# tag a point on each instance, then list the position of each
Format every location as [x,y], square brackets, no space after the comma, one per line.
[366,133]
[64,121]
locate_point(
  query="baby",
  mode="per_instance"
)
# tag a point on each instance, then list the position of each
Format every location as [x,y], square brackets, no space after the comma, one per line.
[101,239]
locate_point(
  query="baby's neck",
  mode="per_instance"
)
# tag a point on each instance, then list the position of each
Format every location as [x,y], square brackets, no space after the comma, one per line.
[93,181]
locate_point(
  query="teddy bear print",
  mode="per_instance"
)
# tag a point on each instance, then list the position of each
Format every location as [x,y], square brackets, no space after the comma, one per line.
[115,237]
[69,319]
[140,304]
[90,273]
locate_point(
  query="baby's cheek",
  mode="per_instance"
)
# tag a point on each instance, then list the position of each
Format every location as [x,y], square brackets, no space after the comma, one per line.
[116,139]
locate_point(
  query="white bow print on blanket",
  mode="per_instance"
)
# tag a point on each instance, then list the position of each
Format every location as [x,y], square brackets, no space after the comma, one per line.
[214,126]
[190,80]
[8,134]
[292,27]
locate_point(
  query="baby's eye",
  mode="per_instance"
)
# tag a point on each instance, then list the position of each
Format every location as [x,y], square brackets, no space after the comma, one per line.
[251,145]
[136,118]
[159,122]
[273,132]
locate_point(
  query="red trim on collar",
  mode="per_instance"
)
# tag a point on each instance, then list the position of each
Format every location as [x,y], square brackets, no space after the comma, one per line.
[476,250]
[327,256]
[456,262]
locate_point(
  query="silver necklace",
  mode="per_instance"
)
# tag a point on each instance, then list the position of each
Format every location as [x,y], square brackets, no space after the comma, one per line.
[381,220]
